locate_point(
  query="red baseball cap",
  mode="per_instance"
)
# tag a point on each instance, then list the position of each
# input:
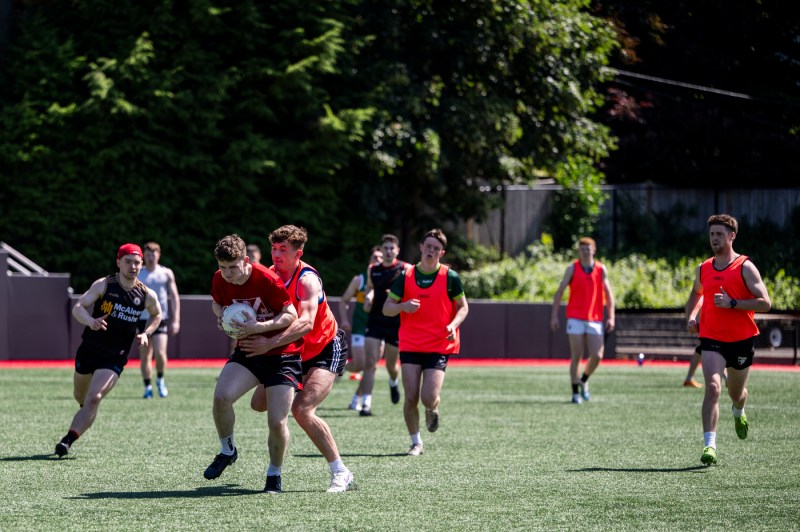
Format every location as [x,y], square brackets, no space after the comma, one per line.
[129,249]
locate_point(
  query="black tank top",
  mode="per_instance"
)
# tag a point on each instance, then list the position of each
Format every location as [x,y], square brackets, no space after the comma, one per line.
[123,308]
[382,279]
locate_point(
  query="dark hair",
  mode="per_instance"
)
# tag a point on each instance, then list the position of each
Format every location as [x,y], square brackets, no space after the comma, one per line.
[438,234]
[229,249]
[295,236]
[390,238]
[724,219]
[151,246]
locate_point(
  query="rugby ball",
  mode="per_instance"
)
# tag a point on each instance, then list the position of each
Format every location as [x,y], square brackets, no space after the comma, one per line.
[239,312]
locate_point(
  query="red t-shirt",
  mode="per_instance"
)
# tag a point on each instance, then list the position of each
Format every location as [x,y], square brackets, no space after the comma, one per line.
[264,291]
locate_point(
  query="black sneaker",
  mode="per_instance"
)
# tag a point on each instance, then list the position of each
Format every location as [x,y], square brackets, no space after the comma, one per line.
[395,393]
[221,461]
[273,484]
[365,411]
[62,449]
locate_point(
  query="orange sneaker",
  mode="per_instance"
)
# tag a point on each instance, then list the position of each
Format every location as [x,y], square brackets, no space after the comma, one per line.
[691,383]
[355,376]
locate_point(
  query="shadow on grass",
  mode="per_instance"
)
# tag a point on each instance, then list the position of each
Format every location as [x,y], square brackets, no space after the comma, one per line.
[354,455]
[639,470]
[50,456]
[227,490]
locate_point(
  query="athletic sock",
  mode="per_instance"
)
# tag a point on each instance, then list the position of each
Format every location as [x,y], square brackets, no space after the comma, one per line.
[70,438]
[368,401]
[584,378]
[710,439]
[147,383]
[356,399]
[416,439]
[273,470]
[393,382]
[336,466]
[575,388]
[738,412]
[227,444]
[160,376]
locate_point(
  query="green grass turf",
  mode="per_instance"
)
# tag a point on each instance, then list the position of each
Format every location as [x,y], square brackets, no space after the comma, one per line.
[511,454]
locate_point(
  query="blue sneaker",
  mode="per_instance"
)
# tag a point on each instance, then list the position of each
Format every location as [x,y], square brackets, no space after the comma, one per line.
[148,392]
[585,391]
[162,388]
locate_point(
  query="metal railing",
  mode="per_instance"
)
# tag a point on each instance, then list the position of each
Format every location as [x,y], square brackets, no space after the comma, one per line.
[20,264]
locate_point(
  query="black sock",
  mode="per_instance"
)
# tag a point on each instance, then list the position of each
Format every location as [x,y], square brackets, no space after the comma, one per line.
[146,382]
[160,375]
[575,388]
[70,438]
[584,378]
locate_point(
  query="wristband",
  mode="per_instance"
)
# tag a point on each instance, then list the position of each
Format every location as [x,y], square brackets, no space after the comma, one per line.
[733,303]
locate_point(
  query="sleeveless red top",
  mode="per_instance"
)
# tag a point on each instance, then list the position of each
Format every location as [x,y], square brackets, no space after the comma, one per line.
[725,324]
[325,326]
[587,295]
[424,331]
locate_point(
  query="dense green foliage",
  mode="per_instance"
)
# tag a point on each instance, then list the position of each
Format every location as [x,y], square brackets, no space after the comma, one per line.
[183,122]
[511,453]
[637,281]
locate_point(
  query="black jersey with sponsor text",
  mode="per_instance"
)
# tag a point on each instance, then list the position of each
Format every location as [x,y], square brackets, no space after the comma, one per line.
[382,278]
[124,307]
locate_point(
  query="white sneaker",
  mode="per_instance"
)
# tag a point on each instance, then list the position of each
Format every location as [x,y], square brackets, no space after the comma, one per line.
[415,450]
[576,398]
[341,482]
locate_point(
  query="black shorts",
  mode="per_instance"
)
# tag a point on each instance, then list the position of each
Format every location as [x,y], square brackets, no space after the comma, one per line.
[382,329]
[332,357]
[163,327]
[271,370]
[426,360]
[89,359]
[737,355]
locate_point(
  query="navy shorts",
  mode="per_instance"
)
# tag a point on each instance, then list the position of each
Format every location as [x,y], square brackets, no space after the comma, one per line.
[271,370]
[382,329]
[163,327]
[737,355]
[332,357]
[89,359]
[426,360]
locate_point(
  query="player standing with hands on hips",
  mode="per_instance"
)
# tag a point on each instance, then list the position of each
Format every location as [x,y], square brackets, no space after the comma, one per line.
[589,293]
[432,306]
[732,292]
[110,310]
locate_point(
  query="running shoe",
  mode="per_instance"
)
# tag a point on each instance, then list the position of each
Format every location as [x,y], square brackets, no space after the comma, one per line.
[355,406]
[741,426]
[221,461]
[415,450]
[365,411]
[273,484]
[691,383]
[148,393]
[62,449]
[585,391]
[576,398]
[432,420]
[709,456]
[394,391]
[162,388]
[341,482]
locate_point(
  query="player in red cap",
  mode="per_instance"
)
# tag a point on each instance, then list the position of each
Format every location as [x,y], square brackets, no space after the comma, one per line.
[109,310]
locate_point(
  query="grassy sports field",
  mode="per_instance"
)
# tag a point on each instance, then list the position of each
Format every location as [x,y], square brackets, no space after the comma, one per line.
[511,454]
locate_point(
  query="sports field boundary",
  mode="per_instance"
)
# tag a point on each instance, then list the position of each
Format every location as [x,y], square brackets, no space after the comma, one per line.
[454,361]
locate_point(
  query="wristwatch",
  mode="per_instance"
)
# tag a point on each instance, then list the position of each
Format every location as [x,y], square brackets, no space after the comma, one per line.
[733,303]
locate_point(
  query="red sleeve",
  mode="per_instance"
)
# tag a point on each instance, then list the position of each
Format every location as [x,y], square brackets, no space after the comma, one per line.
[277,295]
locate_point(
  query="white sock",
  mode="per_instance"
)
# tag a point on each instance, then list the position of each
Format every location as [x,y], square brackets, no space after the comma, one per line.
[273,471]
[393,382]
[367,401]
[355,401]
[227,445]
[710,439]
[737,412]
[416,439]
[336,466]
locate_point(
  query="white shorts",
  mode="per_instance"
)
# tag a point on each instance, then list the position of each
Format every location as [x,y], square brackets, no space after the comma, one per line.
[357,340]
[594,328]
